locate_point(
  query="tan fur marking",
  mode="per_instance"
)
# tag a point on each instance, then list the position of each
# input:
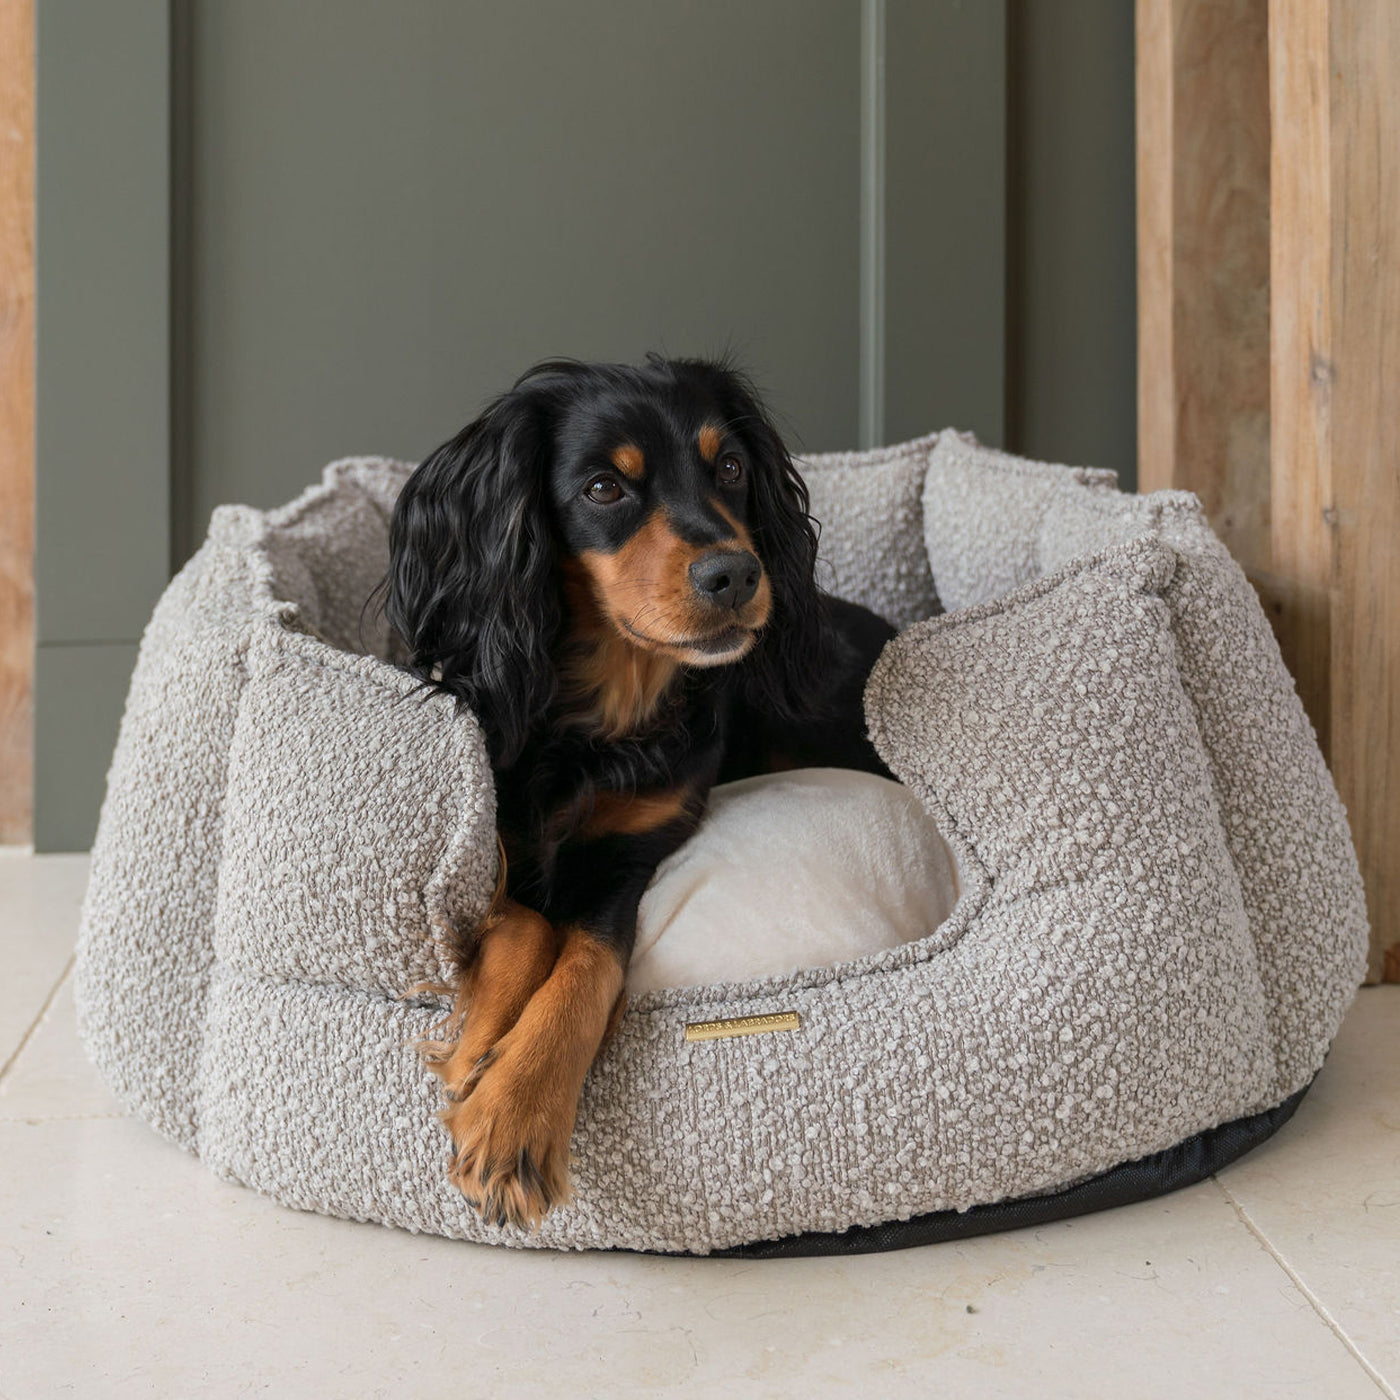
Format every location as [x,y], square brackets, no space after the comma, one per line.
[629,461]
[644,587]
[615,686]
[640,596]
[710,439]
[648,578]
[512,1134]
[621,686]
[634,814]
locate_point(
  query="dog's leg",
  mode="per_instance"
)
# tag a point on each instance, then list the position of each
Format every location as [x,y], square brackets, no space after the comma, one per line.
[513,958]
[511,1135]
[511,1130]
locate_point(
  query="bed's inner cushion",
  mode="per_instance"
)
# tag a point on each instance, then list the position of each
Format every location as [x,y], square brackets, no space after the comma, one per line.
[807,868]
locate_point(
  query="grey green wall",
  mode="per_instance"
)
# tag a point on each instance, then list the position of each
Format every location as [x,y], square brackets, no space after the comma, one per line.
[388,227]
[272,234]
[1072,265]
[102,411]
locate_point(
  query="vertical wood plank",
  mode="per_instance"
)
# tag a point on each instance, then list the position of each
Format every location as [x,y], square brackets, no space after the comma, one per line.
[1301,305]
[1364,378]
[1203,238]
[1336,478]
[1220,198]
[16,419]
[1299,590]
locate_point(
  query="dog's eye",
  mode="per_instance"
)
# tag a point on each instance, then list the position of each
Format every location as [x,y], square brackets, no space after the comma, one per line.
[603,490]
[731,470]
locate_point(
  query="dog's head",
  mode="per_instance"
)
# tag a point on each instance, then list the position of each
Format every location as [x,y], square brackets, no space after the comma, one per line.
[655,505]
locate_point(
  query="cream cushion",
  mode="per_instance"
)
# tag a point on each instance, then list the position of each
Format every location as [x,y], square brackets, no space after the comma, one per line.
[809,868]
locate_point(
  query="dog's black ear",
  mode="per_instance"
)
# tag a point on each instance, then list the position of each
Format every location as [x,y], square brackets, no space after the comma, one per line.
[789,672]
[471,586]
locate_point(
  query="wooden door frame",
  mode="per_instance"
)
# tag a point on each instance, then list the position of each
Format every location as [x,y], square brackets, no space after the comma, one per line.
[16,421]
[1269,307]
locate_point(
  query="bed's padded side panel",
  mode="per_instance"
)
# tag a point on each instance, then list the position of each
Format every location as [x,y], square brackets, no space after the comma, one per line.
[361,821]
[1285,825]
[1106,1002]
[982,516]
[146,941]
[870,509]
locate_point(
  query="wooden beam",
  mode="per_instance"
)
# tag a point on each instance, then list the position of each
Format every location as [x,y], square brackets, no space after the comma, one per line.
[1203,261]
[16,420]
[1269,325]
[1302,543]
[1365,521]
[1335,88]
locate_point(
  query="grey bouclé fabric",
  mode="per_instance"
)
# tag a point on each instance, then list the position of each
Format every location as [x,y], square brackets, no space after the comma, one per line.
[1160,928]
[863,497]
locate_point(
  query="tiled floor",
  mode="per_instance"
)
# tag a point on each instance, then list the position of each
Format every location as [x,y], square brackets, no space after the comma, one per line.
[127,1270]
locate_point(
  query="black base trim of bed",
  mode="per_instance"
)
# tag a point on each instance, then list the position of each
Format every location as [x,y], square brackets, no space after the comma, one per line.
[1183,1165]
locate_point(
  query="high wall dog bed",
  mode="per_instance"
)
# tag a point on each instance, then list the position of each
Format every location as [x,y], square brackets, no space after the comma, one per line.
[1159,929]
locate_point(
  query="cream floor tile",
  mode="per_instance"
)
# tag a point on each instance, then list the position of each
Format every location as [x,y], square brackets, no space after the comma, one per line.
[51,1077]
[128,1270]
[1326,1194]
[39,901]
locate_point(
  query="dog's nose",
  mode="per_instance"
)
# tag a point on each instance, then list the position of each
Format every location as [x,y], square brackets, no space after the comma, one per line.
[728,578]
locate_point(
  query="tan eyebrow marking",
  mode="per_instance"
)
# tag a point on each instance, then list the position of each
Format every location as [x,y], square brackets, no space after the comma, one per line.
[710,439]
[628,460]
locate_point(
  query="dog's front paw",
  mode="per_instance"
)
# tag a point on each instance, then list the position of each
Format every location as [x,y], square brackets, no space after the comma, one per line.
[510,1148]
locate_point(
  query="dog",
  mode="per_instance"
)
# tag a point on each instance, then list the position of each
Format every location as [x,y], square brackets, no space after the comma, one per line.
[613,569]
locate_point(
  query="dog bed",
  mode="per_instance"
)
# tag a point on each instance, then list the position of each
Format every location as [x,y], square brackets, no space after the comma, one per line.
[1159,929]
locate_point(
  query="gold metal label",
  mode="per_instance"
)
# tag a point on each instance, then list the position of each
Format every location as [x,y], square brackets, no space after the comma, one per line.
[742,1025]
